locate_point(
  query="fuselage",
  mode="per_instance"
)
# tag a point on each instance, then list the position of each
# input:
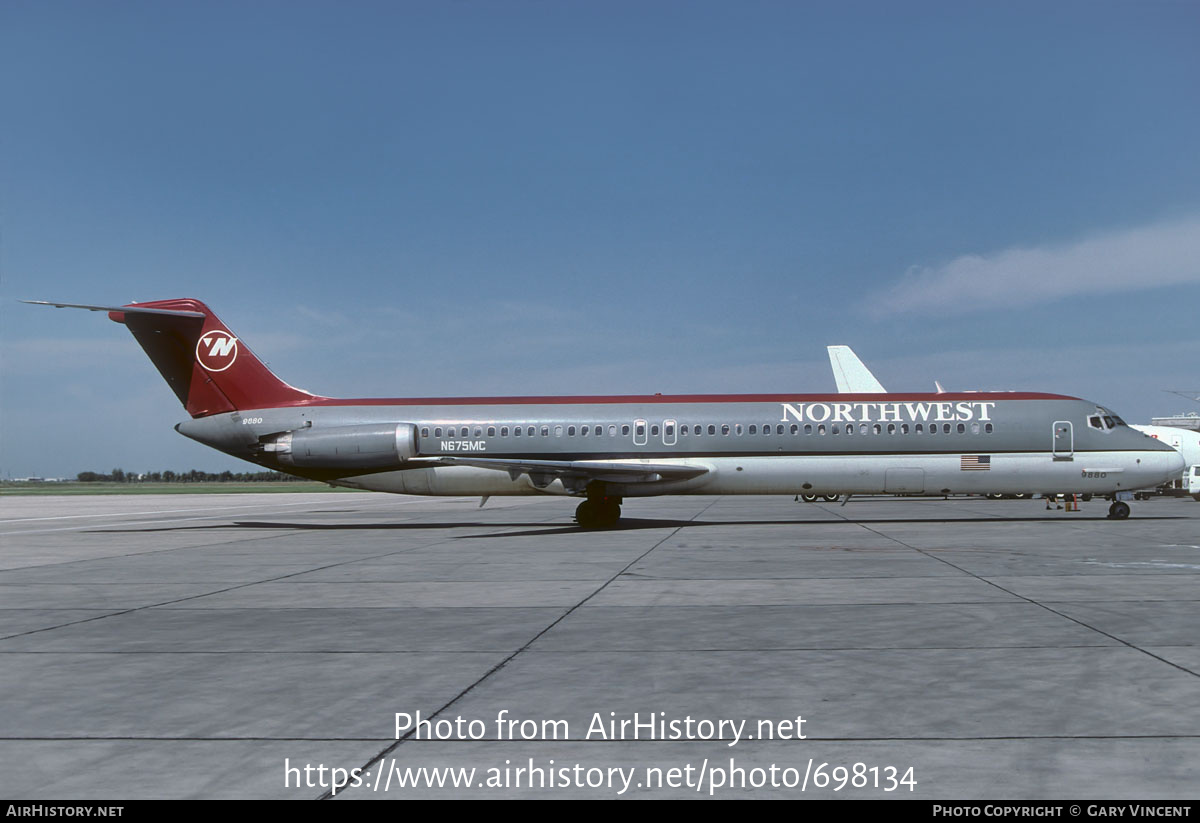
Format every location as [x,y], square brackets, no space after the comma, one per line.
[946,443]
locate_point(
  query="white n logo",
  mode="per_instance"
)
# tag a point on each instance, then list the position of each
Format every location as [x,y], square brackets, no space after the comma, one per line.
[221,346]
[216,350]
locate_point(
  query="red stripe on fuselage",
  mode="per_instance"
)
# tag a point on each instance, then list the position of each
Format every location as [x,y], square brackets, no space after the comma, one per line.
[584,400]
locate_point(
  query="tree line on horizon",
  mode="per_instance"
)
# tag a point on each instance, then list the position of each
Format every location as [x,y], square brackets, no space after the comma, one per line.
[191,476]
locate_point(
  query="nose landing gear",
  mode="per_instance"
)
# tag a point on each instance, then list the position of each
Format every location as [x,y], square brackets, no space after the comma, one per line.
[1119,510]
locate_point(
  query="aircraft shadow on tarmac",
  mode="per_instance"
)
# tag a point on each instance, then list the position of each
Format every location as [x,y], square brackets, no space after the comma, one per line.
[626,524]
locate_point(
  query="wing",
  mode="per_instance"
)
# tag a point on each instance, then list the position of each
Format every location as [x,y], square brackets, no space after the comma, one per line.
[576,474]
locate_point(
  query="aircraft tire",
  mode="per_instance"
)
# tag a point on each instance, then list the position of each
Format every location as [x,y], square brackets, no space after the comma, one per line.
[830,498]
[609,513]
[1119,510]
[585,515]
[809,498]
[602,514]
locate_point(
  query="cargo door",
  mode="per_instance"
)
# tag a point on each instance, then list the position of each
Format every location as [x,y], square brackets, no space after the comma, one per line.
[904,481]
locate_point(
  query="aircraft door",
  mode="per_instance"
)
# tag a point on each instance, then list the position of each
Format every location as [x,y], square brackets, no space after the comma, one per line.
[639,432]
[669,432]
[1064,440]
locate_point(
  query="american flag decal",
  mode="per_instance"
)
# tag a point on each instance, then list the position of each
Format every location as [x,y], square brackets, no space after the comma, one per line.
[975,462]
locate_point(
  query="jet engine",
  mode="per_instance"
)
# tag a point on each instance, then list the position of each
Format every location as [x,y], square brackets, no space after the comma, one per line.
[367,446]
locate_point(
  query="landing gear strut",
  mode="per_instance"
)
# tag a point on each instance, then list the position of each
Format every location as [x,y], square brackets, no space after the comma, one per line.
[599,511]
[1119,510]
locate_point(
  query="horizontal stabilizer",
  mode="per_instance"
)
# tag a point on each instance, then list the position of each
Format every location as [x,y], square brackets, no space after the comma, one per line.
[119,309]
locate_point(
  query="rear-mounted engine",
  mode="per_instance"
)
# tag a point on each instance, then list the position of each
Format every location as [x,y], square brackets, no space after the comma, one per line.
[368,446]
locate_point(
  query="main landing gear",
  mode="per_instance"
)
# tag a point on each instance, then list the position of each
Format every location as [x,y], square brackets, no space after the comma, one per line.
[1119,510]
[599,511]
[598,514]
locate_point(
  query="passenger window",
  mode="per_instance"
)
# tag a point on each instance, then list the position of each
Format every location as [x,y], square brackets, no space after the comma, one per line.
[612,431]
[779,429]
[479,431]
[425,432]
[697,430]
[516,431]
[737,428]
[641,430]
[683,430]
[724,428]
[504,431]
[808,428]
[558,431]
[654,430]
[862,428]
[904,428]
[437,432]
[891,428]
[946,428]
[795,428]
[753,429]
[570,431]
[491,431]
[833,429]
[712,429]
[849,428]
[545,431]
[583,430]
[920,429]
[625,430]
[877,428]
[974,428]
[670,430]
[821,429]
[987,428]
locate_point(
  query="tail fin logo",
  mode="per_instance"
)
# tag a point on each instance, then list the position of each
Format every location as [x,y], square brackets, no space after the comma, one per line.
[216,350]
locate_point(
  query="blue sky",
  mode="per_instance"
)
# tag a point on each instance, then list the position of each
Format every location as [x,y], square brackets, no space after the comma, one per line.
[591,197]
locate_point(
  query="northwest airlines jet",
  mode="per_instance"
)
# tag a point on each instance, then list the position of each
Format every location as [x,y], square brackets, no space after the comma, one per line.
[604,449]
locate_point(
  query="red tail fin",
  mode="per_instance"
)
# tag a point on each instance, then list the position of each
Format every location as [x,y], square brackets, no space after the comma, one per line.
[208,367]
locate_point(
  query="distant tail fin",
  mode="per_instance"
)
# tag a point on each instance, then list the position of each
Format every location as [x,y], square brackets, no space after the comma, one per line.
[851,374]
[210,370]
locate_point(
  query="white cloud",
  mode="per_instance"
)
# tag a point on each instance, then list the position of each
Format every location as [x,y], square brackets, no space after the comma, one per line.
[1162,254]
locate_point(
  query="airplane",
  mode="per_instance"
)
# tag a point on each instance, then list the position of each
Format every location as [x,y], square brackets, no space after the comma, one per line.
[604,449]
[1187,443]
[852,375]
